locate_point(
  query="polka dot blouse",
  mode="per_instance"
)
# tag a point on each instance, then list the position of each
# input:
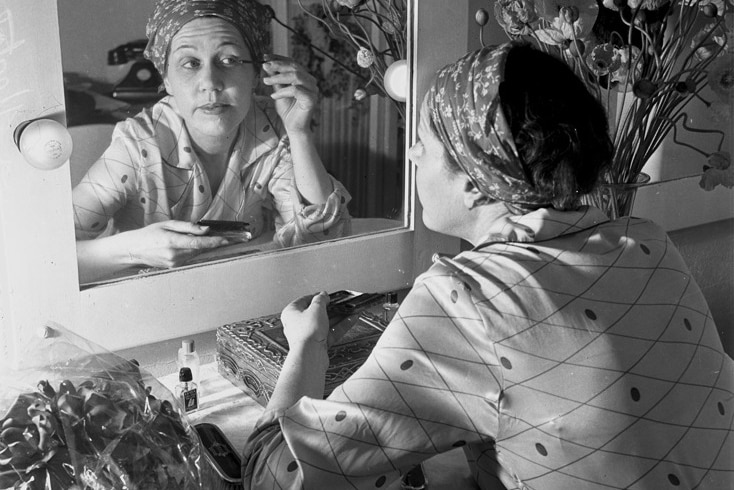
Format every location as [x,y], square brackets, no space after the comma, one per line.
[150,173]
[567,352]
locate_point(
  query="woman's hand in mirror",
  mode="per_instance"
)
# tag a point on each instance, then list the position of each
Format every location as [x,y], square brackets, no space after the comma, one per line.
[296,96]
[295,92]
[165,244]
[171,243]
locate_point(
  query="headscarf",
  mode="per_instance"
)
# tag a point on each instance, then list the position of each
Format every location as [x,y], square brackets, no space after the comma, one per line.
[464,106]
[249,17]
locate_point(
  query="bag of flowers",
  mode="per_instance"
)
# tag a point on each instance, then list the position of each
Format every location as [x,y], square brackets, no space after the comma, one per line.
[75,416]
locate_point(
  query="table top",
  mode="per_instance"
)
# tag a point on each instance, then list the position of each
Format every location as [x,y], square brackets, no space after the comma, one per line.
[235,412]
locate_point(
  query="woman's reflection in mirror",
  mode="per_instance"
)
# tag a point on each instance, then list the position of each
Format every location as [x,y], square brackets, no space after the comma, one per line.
[210,149]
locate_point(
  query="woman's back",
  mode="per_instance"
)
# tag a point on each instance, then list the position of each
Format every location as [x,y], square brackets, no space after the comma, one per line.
[608,366]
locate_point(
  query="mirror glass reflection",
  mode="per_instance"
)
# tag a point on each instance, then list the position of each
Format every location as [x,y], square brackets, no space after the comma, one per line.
[361,142]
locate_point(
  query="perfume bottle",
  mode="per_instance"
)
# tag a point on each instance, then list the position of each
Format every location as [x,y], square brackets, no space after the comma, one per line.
[390,306]
[188,357]
[186,390]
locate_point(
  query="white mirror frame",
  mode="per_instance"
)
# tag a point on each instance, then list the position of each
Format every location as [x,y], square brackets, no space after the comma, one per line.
[38,278]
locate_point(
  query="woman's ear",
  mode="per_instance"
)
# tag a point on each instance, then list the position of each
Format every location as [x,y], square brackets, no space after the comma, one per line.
[473,197]
[166,85]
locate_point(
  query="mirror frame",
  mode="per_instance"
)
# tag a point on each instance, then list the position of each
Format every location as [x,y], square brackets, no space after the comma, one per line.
[37,249]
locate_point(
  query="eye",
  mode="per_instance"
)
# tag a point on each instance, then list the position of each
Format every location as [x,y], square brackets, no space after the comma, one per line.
[229,61]
[190,63]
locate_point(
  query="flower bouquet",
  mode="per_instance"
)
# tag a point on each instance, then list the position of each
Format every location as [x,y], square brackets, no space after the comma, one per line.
[77,417]
[645,60]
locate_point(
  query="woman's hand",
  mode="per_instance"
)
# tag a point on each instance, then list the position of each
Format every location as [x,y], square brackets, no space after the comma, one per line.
[305,321]
[170,243]
[306,327]
[295,92]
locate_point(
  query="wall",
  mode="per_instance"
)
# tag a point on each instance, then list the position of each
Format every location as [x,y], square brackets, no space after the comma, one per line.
[708,250]
[84,44]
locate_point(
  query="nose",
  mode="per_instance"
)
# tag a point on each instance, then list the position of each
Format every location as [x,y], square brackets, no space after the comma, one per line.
[210,78]
[413,153]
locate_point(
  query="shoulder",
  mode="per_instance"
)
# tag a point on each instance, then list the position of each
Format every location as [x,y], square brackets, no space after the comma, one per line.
[155,130]
[151,121]
[445,285]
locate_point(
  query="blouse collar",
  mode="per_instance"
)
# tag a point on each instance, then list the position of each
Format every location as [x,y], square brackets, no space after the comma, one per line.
[542,224]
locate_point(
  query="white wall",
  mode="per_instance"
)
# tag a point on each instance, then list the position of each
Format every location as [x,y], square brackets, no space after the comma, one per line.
[90,28]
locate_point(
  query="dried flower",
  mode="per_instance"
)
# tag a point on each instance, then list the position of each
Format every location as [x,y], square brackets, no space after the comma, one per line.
[604,59]
[350,3]
[629,70]
[719,171]
[720,77]
[711,8]
[360,94]
[515,16]
[709,41]
[569,19]
[365,57]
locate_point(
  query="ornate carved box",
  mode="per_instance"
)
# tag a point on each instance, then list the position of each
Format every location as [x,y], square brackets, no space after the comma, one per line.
[250,353]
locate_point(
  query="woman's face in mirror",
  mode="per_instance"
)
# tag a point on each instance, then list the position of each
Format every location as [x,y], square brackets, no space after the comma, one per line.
[210,77]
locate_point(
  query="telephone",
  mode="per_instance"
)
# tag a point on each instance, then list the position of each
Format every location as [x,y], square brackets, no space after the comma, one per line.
[142,82]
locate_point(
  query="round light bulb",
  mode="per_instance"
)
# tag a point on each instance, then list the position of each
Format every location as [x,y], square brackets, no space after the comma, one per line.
[396,80]
[44,143]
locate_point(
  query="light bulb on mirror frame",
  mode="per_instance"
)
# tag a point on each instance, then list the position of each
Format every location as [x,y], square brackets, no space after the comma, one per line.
[396,80]
[44,143]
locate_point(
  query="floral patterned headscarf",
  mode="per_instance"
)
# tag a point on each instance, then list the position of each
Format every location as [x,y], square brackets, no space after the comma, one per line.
[248,16]
[464,106]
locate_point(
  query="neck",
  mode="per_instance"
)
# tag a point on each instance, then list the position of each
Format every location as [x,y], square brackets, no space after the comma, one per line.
[215,147]
[214,157]
[485,220]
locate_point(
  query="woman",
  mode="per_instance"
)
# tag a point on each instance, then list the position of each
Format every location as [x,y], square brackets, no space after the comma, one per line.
[562,351]
[208,150]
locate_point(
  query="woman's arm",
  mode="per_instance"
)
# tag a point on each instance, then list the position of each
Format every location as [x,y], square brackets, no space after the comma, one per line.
[166,244]
[306,327]
[296,98]
[427,387]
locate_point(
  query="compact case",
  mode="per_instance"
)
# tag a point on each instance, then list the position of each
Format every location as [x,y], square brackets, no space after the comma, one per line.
[250,353]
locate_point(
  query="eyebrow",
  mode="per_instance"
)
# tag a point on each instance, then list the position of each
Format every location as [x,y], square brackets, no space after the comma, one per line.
[219,46]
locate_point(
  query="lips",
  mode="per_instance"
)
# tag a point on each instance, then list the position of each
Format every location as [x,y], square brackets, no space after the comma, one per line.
[213,108]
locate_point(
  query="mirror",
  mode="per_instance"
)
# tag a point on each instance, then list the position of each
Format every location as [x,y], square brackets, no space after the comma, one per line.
[362,142]
[39,282]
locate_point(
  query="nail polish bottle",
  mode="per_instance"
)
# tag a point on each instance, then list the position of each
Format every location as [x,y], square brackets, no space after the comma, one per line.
[390,306]
[186,390]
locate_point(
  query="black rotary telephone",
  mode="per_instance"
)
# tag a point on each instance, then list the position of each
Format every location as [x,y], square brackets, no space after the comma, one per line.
[143,81]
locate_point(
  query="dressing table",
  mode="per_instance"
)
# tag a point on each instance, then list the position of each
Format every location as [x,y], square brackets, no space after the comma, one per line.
[226,406]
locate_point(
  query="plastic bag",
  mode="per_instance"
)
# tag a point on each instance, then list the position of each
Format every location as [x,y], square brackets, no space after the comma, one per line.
[75,416]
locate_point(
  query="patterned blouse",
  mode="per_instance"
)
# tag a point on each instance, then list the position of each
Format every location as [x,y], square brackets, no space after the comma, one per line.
[150,173]
[566,352]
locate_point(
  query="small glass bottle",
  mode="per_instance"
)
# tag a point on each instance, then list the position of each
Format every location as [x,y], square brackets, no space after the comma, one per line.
[186,390]
[390,306]
[188,357]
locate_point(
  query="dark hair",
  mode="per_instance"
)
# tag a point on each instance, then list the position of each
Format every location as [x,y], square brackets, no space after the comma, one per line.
[560,129]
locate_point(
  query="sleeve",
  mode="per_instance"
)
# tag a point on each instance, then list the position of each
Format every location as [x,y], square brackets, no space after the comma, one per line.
[104,189]
[297,223]
[431,384]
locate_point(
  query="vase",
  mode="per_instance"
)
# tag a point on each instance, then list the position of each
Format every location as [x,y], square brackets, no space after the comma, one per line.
[616,199]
